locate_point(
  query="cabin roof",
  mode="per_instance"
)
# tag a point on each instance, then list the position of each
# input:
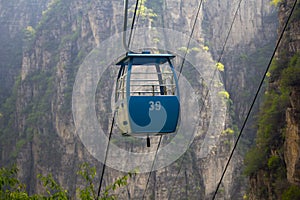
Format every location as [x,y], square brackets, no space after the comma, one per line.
[144,58]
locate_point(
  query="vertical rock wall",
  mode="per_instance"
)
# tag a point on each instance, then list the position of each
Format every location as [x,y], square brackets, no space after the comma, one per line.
[292,135]
[265,182]
[68,30]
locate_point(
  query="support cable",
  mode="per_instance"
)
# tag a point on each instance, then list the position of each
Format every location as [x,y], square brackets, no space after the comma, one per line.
[125,44]
[254,100]
[125,25]
[106,154]
[190,38]
[145,190]
[206,95]
[136,16]
[133,20]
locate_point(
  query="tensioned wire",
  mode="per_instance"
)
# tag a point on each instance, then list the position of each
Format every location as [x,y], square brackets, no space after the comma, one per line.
[254,100]
[126,46]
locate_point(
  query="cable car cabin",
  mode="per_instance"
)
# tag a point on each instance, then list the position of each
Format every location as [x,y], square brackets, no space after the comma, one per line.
[147,95]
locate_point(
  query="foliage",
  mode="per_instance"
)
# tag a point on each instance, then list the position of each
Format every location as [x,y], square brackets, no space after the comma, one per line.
[7,131]
[56,9]
[228,131]
[220,66]
[271,118]
[273,162]
[296,14]
[12,188]
[224,94]
[155,5]
[55,16]
[69,38]
[254,160]
[196,49]
[189,50]
[29,34]
[88,174]
[53,189]
[275,2]
[267,155]
[269,135]
[205,48]
[270,123]
[291,75]
[118,183]
[184,49]
[155,40]
[143,11]
[40,106]
[278,65]
[293,192]
[39,85]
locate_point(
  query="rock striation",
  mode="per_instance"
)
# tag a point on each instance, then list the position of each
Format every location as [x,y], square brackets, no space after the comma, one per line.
[41,130]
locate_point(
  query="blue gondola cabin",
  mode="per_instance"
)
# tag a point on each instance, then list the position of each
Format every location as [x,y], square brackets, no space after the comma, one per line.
[147,95]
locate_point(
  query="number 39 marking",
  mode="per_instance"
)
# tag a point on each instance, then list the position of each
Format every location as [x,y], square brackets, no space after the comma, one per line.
[154,105]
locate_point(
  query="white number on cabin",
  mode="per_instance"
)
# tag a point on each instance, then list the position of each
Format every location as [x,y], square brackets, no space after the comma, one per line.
[154,105]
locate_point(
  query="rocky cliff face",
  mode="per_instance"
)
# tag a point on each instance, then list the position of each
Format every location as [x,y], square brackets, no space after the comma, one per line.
[14,18]
[292,140]
[41,130]
[291,145]
[277,176]
[247,48]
